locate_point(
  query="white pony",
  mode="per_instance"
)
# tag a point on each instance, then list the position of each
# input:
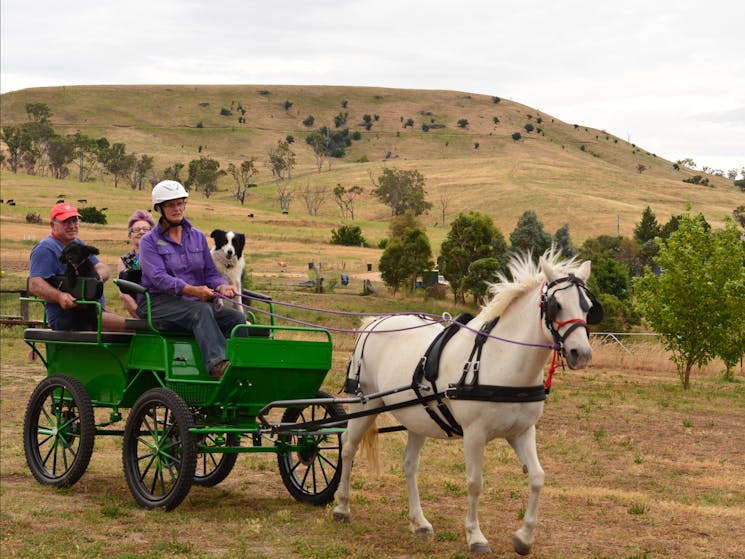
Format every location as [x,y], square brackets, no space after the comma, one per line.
[490,389]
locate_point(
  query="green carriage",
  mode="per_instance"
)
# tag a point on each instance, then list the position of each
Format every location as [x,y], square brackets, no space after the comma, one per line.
[183,427]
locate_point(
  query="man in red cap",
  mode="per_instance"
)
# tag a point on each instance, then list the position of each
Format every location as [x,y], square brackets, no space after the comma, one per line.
[64,221]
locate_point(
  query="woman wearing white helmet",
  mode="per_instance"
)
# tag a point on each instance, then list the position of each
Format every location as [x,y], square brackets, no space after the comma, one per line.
[178,271]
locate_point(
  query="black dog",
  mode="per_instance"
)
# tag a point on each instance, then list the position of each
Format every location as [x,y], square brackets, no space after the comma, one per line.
[79,267]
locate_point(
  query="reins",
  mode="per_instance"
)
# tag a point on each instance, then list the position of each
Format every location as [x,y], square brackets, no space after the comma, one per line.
[444,317]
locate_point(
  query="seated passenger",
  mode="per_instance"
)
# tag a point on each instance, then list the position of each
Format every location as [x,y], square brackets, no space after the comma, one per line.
[62,312]
[178,271]
[139,224]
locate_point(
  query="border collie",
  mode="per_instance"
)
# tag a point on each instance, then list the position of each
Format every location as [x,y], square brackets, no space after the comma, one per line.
[228,258]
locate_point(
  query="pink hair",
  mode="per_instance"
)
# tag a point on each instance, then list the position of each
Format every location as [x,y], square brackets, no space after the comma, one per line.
[140,215]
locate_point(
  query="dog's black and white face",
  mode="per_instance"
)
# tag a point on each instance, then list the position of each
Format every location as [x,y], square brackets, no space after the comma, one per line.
[230,244]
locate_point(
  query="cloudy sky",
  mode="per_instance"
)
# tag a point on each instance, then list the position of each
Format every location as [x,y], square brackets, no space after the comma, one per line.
[666,75]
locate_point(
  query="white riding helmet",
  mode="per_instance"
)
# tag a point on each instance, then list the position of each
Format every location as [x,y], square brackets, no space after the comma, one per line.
[168,190]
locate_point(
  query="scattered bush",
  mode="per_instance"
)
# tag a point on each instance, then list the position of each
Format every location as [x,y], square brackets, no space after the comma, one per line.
[287,104]
[528,128]
[91,214]
[740,184]
[340,119]
[348,235]
[697,179]
[495,99]
[200,124]
[225,112]
[495,120]
[33,218]
[309,121]
[516,136]
[463,123]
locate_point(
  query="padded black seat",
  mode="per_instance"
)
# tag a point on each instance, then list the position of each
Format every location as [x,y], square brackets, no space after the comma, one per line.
[47,335]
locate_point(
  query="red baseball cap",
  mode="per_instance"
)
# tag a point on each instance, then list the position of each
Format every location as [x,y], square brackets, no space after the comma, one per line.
[63,211]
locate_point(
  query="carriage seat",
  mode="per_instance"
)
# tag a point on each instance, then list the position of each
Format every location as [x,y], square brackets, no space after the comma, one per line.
[47,335]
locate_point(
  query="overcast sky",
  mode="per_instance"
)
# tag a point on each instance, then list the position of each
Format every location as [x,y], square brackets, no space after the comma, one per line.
[667,75]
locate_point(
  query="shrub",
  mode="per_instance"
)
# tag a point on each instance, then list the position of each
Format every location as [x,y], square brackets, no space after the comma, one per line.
[740,184]
[425,127]
[200,124]
[225,112]
[348,235]
[287,104]
[91,214]
[356,135]
[496,120]
[463,123]
[495,99]
[309,121]
[516,136]
[33,218]
[697,179]
[340,119]
[528,128]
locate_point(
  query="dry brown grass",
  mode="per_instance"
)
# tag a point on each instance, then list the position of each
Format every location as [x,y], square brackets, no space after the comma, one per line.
[635,468]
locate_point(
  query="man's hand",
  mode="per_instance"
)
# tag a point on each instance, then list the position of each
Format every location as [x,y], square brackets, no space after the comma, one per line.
[65,300]
[227,290]
[201,292]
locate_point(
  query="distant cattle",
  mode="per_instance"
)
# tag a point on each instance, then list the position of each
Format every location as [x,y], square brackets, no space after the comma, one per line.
[11,202]
[83,201]
[61,201]
[250,215]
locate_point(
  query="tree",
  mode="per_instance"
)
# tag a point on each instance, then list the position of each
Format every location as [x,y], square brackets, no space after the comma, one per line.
[327,143]
[140,169]
[481,273]
[60,152]
[242,176]
[648,228]
[563,243]
[471,237]
[516,136]
[87,153]
[173,172]
[401,190]
[463,123]
[203,175]
[281,161]
[405,258]
[18,142]
[344,198]
[390,268]
[313,197]
[529,235]
[696,303]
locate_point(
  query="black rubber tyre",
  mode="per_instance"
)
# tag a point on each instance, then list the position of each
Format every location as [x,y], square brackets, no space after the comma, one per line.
[158,452]
[59,431]
[312,475]
[212,468]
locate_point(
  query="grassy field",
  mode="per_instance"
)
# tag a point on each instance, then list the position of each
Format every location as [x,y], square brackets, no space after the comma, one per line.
[636,467]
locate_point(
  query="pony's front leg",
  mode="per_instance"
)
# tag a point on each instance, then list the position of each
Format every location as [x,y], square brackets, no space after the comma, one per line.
[473,446]
[350,442]
[417,522]
[525,449]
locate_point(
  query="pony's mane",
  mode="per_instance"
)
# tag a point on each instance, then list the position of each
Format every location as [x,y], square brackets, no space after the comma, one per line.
[525,276]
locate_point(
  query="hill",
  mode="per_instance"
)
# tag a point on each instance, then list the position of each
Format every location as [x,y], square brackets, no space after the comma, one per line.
[566,172]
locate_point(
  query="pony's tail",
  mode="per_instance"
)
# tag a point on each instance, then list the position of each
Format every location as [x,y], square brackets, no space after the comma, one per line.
[370,447]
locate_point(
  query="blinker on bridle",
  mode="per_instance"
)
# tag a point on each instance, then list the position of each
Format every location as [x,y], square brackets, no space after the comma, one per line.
[550,307]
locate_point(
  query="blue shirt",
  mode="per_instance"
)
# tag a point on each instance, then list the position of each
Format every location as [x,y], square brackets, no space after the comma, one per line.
[45,264]
[167,266]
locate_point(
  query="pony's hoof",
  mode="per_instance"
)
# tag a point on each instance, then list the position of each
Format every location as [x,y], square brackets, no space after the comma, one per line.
[520,547]
[425,532]
[480,548]
[341,517]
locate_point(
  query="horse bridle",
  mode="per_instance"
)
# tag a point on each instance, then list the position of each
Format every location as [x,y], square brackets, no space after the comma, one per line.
[550,308]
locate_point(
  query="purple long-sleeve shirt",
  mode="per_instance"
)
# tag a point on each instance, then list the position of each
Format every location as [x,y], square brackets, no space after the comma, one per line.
[168,266]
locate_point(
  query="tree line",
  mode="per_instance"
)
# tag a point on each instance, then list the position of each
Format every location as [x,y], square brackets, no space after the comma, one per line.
[684,279]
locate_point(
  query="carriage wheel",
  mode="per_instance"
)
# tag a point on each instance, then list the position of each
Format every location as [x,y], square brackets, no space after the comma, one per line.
[311,474]
[158,451]
[58,431]
[214,467]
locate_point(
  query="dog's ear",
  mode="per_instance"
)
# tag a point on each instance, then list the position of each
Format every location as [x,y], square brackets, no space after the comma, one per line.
[90,249]
[215,233]
[239,243]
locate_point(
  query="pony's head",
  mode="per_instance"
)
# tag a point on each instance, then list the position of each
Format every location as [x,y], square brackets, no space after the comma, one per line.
[565,307]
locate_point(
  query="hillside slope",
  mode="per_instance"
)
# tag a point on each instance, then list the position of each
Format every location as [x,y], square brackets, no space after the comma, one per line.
[566,172]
